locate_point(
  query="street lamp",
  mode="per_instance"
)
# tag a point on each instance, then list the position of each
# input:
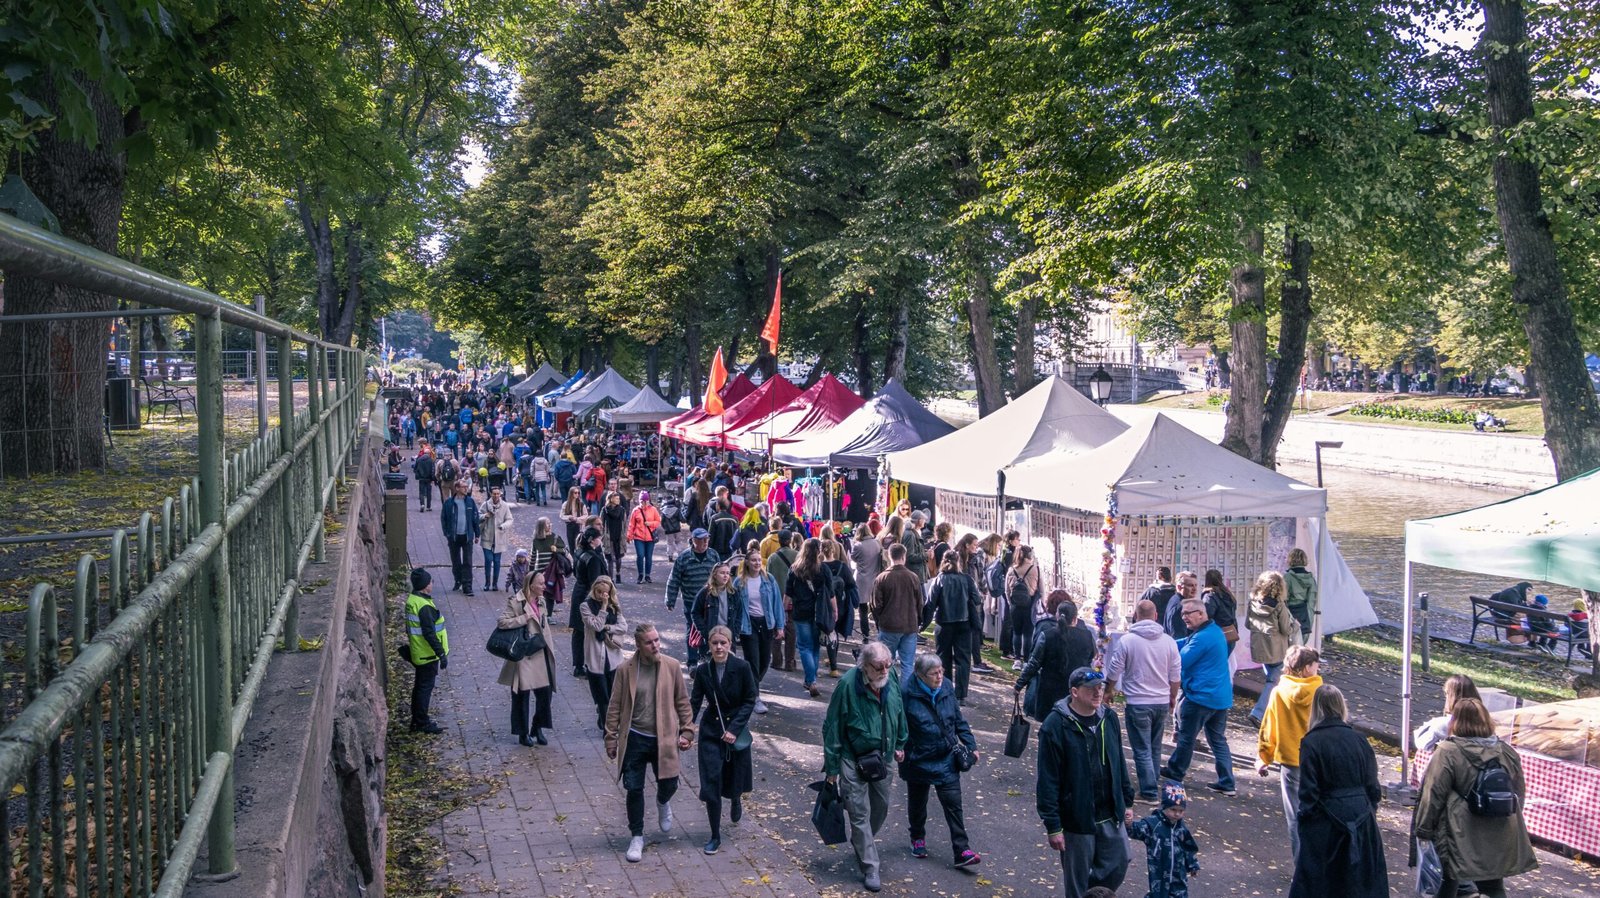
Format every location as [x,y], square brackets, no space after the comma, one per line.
[1100,386]
[1321,445]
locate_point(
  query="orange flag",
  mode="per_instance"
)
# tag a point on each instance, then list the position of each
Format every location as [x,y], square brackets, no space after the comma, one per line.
[769,332]
[719,379]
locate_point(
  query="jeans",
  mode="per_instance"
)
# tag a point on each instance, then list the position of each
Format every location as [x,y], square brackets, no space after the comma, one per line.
[1097,859]
[1289,785]
[461,561]
[866,806]
[491,568]
[422,692]
[541,491]
[1260,709]
[949,802]
[1021,629]
[644,552]
[1191,720]
[757,647]
[954,643]
[641,753]
[905,646]
[1145,724]
[805,637]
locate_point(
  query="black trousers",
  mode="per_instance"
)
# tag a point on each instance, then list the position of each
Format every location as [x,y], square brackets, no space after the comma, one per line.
[949,802]
[975,633]
[1021,629]
[425,494]
[642,753]
[422,692]
[461,561]
[538,702]
[954,645]
[575,621]
[757,647]
[600,690]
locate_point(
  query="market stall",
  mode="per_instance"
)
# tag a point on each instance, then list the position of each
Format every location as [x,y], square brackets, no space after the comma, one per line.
[1550,535]
[825,404]
[645,408]
[608,390]
[774,393]
[544,404]
[736,389]
[540,381]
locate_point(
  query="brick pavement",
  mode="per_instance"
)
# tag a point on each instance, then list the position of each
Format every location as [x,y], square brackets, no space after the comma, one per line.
[557,824]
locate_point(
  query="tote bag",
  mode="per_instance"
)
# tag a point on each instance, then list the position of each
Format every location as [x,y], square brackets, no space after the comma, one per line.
[1017,735]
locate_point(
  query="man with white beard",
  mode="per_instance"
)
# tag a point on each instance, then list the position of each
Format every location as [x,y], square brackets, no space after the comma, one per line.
[865,729]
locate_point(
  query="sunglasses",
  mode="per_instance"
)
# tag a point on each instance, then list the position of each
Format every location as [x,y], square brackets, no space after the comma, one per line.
[1091,679]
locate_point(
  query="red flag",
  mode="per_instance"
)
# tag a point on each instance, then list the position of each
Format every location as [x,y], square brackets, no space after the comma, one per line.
[769,332]
[719,379]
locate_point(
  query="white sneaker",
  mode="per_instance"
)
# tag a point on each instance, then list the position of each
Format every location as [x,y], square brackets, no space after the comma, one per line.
[761,706]
[635,850]
[664,816]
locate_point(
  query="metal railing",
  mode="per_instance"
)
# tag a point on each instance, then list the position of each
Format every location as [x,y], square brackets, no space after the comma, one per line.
[124,749]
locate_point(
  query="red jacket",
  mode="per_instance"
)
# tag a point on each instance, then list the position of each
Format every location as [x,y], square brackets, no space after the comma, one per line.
[597,494]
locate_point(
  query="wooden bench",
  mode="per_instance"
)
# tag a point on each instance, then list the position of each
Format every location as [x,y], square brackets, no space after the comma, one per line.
[163,394]
[1501,617]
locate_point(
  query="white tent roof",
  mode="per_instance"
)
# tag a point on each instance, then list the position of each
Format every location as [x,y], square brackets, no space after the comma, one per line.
[646,407]
[1050,418]
[1551,535]
[1160,467]
[609,387]
[545,379]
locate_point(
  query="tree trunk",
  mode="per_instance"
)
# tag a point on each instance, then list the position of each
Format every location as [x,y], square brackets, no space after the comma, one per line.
[1538,289]
[652,367]
[53,374]
[675,381]
[862,355]
[1027,331]
[530,355]
[894,365]
[1248,393]
[980,339]
[691,356]
[1294,322]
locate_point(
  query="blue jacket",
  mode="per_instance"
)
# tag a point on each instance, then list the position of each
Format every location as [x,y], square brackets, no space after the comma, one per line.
[701,612]
[564,471]
[447,517]
[1205,668]
[932,721]
[1170,854]
[771,603]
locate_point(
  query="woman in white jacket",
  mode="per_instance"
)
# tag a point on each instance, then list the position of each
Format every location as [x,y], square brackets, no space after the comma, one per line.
[494,525]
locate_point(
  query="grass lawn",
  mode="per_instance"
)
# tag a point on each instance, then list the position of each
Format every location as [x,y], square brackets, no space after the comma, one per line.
[1533,678]
[1522,416]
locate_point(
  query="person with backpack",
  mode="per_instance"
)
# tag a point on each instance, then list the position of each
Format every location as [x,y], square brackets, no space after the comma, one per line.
[1470,806]
[446,472]
[1022,591]
[1222,607]
[1341,847]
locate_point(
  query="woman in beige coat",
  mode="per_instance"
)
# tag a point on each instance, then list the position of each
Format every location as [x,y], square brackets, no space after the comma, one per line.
[533,679]
[1272,630]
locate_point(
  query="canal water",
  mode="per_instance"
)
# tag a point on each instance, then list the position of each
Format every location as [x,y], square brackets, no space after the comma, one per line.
[1367,514]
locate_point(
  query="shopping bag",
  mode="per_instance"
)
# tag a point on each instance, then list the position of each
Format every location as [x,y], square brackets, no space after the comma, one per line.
[827,814]
[1017,736]
[1430,874]
[513,643]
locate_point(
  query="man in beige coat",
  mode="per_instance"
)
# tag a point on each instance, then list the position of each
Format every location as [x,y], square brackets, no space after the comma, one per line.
[649,704]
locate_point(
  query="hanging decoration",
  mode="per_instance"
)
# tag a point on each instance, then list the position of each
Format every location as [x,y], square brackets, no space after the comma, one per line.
[1108,575]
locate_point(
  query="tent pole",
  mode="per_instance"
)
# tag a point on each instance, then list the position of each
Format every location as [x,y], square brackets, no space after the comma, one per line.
[1316,550]
[1405,683]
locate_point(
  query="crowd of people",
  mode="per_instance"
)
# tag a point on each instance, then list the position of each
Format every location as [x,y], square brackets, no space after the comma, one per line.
[759,591]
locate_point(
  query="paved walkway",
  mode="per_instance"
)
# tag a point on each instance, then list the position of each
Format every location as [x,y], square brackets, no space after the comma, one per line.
[558,827]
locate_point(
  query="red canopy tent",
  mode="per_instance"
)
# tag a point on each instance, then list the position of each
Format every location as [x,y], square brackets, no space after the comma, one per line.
[774,393]
[827,403]
[737,389]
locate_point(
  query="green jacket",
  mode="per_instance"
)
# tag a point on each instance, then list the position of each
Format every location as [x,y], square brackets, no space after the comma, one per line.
[1472,847]
[1301,588]
[859,722]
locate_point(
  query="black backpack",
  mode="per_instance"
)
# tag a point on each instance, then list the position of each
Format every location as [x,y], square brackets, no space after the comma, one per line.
[1491,794]
[997,577]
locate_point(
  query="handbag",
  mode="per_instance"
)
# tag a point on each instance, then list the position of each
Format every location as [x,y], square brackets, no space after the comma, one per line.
[696,639]
[871,766]
[1017,735]
[513,643]
[741,741]
[827,814]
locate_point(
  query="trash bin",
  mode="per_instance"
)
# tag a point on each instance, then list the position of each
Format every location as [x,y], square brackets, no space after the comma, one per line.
[394,480]
[394,527]
[122,411]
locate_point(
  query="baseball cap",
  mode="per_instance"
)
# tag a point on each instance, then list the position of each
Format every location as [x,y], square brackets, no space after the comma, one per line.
[699,533]
[1085,676]
[1541,600]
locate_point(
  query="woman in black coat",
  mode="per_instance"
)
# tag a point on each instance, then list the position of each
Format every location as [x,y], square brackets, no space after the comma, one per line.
[728,686]
[935,725]
[1058,650]
[1341,849]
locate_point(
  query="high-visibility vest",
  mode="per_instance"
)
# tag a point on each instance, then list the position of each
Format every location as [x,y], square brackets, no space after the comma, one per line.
[421,651]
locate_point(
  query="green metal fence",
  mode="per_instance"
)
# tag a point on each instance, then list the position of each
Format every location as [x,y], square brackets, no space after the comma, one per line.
[124,748]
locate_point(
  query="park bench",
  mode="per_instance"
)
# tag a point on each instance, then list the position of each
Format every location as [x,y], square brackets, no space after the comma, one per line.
[1501,617]
[163,394]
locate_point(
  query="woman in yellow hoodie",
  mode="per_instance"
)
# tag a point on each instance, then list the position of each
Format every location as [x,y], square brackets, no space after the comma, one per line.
[1287,719]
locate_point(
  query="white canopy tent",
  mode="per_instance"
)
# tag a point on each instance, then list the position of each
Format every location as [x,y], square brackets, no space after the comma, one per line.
[609,389]
[1053,417]
[1160,468]
[646,407]
[540,381]
[1551,535]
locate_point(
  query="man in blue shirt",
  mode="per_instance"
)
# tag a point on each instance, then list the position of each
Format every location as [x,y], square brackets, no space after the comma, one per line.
[1207,696]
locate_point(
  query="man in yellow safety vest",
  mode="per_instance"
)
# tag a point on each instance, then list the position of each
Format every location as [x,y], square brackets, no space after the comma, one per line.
[429,648]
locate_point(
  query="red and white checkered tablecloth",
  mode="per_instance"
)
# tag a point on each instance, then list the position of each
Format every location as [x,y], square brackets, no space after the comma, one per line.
[1563,803]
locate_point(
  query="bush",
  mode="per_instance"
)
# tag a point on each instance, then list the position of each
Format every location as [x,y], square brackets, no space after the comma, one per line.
[422,366]
[1215,400]
[1396,412]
